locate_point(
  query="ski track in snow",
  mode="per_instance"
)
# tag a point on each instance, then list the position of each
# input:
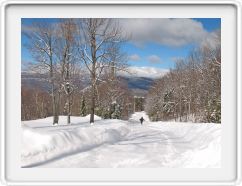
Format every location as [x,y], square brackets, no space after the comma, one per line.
[117,143]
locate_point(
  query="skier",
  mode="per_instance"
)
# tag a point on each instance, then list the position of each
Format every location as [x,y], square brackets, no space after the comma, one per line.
[141,120]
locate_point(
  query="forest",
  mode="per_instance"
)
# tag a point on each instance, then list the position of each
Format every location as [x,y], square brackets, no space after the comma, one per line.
[79,60]
[190,91]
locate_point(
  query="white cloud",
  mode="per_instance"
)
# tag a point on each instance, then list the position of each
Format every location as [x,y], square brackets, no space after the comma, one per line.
[213,40]
[148,72]
[134,57]
[175,59]
[170,32]
[154,59]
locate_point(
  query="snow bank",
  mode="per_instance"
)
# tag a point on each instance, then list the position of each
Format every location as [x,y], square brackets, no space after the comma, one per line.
[45,122]
[114,143]
[43,146]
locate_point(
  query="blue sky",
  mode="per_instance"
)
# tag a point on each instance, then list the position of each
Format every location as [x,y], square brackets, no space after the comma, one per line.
[165,53]
[155,42]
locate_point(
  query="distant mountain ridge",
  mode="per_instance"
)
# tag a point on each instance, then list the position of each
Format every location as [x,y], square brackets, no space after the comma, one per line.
[139,86]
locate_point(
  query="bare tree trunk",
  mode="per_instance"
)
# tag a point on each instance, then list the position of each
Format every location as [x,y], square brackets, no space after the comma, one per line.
[58,102]
[94,61]
[180,110]
[54,106]
[69,119]
[113,71]
[69,110]
[92,106]
[93,94]
[54,101]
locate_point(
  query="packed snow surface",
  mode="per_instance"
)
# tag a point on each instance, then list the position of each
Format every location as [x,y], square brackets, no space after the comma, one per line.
[117,143]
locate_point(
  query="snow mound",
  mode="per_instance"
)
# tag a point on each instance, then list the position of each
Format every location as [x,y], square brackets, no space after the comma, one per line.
[47,122]
[114,143]
[46,146]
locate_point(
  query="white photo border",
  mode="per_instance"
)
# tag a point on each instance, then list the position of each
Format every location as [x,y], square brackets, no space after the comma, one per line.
[235,3]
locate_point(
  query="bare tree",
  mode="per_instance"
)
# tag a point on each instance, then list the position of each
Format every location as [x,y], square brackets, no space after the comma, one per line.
[34,103]
[66,53]
[42,43]
[98,37]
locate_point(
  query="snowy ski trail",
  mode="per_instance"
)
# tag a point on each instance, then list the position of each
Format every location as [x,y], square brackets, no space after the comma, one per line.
[117,144]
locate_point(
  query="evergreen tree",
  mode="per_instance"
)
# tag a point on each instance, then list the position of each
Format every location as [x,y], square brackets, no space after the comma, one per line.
[83,109]
[116,114]
[213,111]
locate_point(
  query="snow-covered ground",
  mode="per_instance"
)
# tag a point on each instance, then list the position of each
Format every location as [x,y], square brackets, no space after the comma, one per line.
[117,143]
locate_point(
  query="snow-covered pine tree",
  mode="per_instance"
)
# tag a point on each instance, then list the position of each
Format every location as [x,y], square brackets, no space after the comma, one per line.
[116,114]
[83,109]
[168,104]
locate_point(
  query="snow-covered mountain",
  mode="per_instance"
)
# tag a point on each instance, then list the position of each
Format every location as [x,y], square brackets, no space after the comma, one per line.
[34,80]
[138,79]
[144,72]
[139,86]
